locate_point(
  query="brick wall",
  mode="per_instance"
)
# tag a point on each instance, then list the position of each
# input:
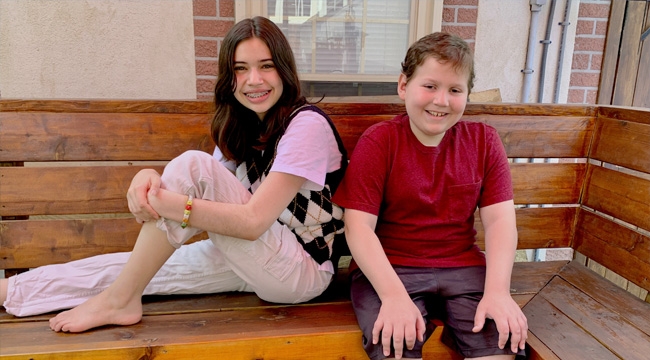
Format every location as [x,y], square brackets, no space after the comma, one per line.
[212,20]
[459,18]
[591,30]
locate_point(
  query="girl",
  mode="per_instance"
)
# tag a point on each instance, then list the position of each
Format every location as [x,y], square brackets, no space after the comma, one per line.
[272,225]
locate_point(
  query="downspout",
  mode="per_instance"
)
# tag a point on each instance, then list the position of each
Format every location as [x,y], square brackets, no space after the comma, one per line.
[545,43]
[564,25]
[535,8]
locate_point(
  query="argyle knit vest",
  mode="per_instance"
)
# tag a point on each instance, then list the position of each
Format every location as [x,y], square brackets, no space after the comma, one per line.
[312,216]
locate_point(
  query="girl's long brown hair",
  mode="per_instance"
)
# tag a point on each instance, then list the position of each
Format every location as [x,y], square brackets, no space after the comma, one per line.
[236,129]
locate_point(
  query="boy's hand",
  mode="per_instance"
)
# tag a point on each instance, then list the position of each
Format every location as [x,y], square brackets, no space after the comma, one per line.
[401,321]
[510,320]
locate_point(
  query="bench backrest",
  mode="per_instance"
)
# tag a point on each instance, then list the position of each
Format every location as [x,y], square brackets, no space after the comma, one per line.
[67,165]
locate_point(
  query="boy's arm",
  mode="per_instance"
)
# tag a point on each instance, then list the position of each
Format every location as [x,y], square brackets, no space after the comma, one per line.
[500,247]
[398,317]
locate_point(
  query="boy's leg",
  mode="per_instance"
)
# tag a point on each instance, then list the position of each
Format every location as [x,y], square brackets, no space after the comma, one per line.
[462,290]
[366,304]
[120,303]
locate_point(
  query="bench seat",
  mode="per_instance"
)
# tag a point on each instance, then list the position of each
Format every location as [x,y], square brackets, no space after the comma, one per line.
[191,327]
[581,177]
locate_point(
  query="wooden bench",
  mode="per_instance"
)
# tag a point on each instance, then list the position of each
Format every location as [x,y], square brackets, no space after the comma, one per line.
[67,165]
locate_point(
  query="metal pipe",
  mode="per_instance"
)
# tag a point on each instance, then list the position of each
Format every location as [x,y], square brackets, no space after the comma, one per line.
[545,43]
[535,8]
[558,77]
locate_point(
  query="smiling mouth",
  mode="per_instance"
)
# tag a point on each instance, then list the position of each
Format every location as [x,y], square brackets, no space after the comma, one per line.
[438,114]
[256,95]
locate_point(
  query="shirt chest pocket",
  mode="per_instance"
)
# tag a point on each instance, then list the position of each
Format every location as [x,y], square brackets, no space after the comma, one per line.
[461,201]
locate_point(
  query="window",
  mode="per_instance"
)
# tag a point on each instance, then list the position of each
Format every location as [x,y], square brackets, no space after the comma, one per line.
[348,47]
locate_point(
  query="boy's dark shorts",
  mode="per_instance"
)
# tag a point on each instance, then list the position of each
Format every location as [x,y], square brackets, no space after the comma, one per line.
[451,295]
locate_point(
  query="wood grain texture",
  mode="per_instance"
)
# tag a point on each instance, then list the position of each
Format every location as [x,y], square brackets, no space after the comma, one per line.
[66,190]
[31,136]
[615,332]
[561,335]
[546,183]
[549,136]
[32,243]
[623,143]
[625,197]
[608,294]
[269,330]
[620,249]
[538,228]
[610,59]
[577,326]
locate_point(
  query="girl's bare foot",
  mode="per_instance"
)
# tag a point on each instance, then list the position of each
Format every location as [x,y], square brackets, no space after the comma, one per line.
[100,310]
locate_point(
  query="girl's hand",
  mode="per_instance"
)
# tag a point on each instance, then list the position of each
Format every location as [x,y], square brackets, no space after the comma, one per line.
[145,182]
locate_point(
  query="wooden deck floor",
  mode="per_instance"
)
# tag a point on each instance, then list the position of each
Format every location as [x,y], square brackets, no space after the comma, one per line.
[576,320]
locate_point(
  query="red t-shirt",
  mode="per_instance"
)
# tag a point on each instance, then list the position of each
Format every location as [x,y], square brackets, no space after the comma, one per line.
[425,197]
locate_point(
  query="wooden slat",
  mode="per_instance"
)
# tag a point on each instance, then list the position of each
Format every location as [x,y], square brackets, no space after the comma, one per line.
[610,59]
[642,88]
[65,190]
[546,183]
[32,243]
[553,136]
[608,294]
[636,115]
[536,350]
[27,136]
[623,143]
[628,54]
[353,107]
[528,278]
[108,106]
[523,136]
[623,196]
[604,324]
[287,333]
[580,110]
[350,127]
[562,335]
[620,249]
[538,228]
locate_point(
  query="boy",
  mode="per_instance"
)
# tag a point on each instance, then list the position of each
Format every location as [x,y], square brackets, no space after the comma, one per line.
[410,192]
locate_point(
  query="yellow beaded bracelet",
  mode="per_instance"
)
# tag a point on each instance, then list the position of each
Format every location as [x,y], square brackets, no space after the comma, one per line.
[187,212]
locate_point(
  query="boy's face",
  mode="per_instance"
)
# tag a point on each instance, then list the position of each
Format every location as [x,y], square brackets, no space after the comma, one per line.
[435,99]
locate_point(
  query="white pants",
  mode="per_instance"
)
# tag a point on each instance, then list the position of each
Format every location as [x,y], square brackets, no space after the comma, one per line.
[275,266]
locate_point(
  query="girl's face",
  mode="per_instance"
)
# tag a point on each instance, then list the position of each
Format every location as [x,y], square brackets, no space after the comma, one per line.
[259,85]
[435,99]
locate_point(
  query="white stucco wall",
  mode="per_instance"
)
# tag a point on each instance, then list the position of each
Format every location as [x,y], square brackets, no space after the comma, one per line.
[119,49]
[502,44]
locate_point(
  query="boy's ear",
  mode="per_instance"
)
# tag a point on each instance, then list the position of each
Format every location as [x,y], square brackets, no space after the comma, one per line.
[401,86]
